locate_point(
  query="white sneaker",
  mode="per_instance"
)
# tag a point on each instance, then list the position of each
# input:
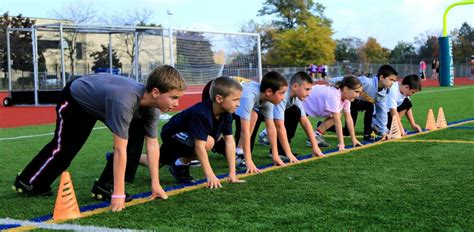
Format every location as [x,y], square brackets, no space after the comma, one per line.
[195,163]
[321,141]
[263,138]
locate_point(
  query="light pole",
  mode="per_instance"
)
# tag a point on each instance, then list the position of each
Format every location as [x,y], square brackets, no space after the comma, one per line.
[170,32]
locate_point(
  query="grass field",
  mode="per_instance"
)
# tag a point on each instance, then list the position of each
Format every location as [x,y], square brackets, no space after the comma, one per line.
[421,185]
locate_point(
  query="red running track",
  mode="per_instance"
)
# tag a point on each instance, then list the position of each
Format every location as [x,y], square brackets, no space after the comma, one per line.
[15,116]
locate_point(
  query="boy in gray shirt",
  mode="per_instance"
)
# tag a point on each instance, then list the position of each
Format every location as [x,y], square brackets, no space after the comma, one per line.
[129,109]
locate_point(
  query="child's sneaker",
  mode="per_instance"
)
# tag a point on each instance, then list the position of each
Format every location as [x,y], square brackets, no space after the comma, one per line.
[240,160]
[103,192]
[195,163]
[181,174]
[22,187]
[373,137]
[320,139]
[263,138]
[108,155]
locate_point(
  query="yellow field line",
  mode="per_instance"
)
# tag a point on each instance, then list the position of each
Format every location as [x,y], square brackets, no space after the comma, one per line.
[203,185]
[433,141]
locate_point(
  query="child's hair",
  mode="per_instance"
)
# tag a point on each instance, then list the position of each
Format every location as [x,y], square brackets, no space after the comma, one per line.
[301,77]
[386,70]
[165,78]
[349,81]
[272,80]
[223,86]
[413,82]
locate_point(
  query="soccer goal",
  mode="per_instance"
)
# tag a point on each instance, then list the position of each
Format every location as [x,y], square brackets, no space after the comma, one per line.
[201,56]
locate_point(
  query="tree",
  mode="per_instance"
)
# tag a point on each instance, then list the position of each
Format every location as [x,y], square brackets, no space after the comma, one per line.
[299,47]
[373,52]
[346,49]
[78,13]
[21,53]
[293,13]
[402,51]
[102,60]
[463,41]
[301,35]
[428,46]
[263,30]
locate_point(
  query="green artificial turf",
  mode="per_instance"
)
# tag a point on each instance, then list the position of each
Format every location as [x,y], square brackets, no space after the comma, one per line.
[394,186]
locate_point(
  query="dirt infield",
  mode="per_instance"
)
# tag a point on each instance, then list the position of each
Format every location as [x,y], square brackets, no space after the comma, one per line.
[16,116]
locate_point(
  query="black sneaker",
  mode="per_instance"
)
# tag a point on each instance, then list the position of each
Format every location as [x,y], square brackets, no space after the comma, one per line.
[103,192]
[240,161]
[181,174]
[22,187]
[372,138]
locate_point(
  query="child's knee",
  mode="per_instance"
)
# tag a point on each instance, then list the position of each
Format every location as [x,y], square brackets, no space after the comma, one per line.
[209,143]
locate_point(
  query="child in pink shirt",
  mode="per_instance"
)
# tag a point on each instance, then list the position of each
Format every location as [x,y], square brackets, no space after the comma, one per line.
[328,101]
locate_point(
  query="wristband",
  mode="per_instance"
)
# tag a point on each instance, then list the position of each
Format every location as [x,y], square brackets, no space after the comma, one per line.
[118,197]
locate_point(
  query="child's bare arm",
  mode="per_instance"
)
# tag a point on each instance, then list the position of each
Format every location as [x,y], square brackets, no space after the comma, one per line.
[308,129]
[283,138]
[153,157]
[338,126]
[272,137]
[245,134]
[120,163]
[350,127]
[230,155]
[411,119]
[201,153]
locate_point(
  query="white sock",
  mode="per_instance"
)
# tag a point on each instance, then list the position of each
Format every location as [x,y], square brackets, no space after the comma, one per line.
[178,162]
[239,150]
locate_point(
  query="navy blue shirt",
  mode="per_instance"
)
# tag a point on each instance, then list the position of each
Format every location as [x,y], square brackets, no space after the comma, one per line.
[199,122]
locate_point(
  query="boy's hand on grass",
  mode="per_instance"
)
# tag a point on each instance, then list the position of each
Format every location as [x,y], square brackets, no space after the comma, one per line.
[234,179]
[356,143]
[417,127]
[278,162]
[341,147]
[318,153]
[213,182]
[251,168]
[158,192]
[117,204]
[292,158]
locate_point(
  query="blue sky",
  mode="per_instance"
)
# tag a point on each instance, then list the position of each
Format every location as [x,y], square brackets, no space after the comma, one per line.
[389,21]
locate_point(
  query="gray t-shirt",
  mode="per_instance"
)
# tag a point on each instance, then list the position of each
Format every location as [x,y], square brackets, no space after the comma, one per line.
[250,100]
[279,110]
[115,100]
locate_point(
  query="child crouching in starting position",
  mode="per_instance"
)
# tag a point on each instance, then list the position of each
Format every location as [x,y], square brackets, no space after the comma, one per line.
[192,133]
[329,101]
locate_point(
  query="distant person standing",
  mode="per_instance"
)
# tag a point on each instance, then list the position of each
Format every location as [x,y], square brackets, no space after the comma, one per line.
[472,66]
[422,70]
[324,70]
[435,69]
[312,71]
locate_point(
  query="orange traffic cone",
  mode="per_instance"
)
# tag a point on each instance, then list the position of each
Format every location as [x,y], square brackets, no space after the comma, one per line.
[441,121]
[66,204]
[430,121]
[395,132]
